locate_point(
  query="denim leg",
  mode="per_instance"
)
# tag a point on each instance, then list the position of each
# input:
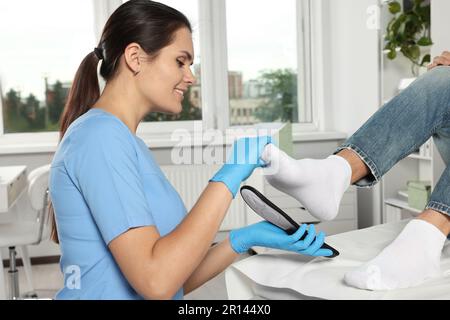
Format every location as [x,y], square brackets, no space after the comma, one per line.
[440,198]
[403,125]
[442,141]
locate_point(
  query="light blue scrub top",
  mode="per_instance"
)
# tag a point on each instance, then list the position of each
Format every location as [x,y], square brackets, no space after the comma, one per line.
[104,181]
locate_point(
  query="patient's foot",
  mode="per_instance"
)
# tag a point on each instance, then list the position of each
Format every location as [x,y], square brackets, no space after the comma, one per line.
[408,261]
[317,184]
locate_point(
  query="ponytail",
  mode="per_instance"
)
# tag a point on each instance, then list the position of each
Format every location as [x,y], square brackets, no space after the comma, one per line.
[85,91]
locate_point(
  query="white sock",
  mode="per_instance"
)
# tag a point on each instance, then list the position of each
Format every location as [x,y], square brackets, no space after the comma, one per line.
[408,261]
[317,184]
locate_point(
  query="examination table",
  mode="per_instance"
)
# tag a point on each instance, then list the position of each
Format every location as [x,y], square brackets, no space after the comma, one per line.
[280,275]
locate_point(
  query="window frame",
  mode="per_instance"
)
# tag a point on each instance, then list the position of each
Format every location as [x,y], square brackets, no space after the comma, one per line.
[214,69]
[306,11]
[2,129]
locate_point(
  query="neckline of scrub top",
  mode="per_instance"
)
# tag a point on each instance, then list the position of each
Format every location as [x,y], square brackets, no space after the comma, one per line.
[114,116]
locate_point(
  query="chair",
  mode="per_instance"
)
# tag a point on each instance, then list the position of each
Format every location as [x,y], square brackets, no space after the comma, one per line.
[22,233]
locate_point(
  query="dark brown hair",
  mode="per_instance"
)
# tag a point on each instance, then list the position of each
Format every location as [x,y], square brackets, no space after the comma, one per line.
[150,24]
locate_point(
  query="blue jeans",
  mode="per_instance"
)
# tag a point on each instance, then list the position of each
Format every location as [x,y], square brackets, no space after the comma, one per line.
[403,125]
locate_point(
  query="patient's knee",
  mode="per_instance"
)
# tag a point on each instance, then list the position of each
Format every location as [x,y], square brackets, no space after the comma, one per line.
[437,78]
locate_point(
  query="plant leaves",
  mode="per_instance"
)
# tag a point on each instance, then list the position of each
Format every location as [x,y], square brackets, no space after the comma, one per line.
[394,7]
[415,52]
[412,52]
[424,41]
[409,30]
[392,55]
[426,59]
[417,2]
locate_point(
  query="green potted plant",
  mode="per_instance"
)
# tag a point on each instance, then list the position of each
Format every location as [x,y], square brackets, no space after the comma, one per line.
[409,32]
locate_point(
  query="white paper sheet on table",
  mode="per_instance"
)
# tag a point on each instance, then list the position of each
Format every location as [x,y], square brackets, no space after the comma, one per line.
[323,278]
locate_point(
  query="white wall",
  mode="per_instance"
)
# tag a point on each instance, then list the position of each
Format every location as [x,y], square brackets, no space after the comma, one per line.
[352,89]
[353,65]
[440,26]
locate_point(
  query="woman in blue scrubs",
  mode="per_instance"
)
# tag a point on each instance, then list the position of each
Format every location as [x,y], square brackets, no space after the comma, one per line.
[123,229]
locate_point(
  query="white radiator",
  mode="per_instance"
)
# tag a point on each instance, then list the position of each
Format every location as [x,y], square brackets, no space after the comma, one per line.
[191,180]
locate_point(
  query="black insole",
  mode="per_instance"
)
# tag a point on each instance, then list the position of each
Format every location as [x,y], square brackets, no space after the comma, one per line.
[278,217]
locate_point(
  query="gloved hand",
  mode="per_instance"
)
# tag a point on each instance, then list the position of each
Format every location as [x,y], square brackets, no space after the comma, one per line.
[266,234]
[244,159]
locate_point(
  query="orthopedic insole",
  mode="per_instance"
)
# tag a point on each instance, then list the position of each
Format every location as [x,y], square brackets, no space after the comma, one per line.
[272,213]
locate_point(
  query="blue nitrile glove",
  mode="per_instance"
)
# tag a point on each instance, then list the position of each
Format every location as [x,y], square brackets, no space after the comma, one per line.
[266,234]
[245,157]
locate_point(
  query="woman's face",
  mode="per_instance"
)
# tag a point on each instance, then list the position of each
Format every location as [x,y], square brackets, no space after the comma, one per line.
[165,80]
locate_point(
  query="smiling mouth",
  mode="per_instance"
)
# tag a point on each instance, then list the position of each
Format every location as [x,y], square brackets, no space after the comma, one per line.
[180,92]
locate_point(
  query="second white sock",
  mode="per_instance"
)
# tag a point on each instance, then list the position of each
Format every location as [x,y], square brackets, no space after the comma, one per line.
[317,184]
[408,261]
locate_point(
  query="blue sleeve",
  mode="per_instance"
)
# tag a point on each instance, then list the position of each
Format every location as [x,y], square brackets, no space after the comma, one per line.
[103,163]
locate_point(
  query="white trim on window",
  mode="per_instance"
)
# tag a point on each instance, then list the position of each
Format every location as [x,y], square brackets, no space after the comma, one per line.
[206,51]
[103,9]
[167,127]
[28,143]
[1,110]
[311,13]
[304,60]
[47,142]
[318,77]
[213,42]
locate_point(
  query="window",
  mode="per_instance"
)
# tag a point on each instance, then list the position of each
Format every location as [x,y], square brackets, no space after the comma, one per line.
[263,61]
[40,51]
[252,70]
